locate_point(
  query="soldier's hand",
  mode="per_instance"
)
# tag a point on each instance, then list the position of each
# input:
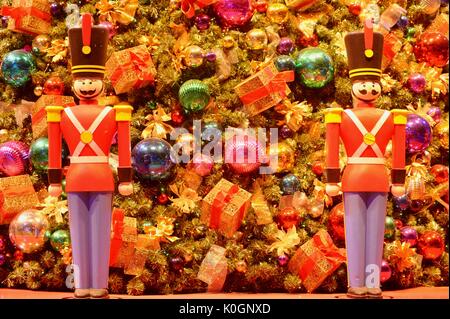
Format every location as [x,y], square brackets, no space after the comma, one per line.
[125,189]
[398,190]
[55,190]
[332,189]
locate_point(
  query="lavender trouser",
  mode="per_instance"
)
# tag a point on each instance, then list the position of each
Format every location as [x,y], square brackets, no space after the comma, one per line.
[365,215]
[90,231]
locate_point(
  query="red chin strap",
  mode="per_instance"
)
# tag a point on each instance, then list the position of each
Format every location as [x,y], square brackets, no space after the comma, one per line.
[86,27]
[368,38]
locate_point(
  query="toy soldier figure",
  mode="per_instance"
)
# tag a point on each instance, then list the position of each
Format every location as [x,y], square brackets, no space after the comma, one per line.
[88,129]
[365,132]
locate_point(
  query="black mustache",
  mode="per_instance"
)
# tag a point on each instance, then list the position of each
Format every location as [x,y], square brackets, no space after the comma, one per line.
[364,92]
[89,92]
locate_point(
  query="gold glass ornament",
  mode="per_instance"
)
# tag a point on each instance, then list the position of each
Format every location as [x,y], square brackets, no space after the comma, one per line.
[38,90]
[441,130]
[281,157]
[40,44]
[277,13]
[193,56]
[27,230]
[228,42]
[256,39]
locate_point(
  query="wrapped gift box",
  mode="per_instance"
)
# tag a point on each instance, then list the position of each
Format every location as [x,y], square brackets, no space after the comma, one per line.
[225,206]
[214,268]
[317,259]
[16,195]
[264,89]
[299,5]
[123,238]
[136,264]
[29,16]
[130,69]
[38,114]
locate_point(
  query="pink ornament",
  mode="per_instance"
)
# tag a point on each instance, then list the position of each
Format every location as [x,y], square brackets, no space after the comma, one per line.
[243,154]
[417,82]
[283,260]
[202,21]
[386,271]
[233,13]
[285,46]
[202,164]
[112,31]
[435,113]
[14,158]
[409,235]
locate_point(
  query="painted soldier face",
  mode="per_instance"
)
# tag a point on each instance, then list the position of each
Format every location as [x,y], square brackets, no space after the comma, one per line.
[367,91]
[88,88]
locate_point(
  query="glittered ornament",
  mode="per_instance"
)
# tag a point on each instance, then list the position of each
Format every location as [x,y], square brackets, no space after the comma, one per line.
[385,272]
[409,235]
[440,173]
[39,154]
[283,260]
[193,56]
[431,245]
[418,134]
[60,239]
[260,5]
[403,22]
[54,85]
[284,63]
[40,44]
[194,95]
[417,82]
[389,227]
[285,46]
[435,113]
[233,13]
[17,67]
[14,158]
[202,21]
[290,184]
[432,48]
[286,132]
[336,222]
[256,39]
[287,218]
[202,164]
[243,153]
[277,13]
[151,159]
[281,157]
[314,68]
[27,230]
[241,266]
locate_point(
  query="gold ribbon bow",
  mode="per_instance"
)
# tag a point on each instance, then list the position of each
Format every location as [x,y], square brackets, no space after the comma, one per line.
[54,208]
[58,50]
[156,126]
[285,241]
[187,198]
[163,231]
[151,42]
[436,81]
[401,255]
[121,11]
[182,41]
[320,194]
[294,113]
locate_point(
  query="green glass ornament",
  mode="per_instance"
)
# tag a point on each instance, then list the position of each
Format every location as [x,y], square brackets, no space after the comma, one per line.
[39,154]
[152,105]
[60,239]
[314,68]
[193,95]
[389,228]
[17,67]
[410,32]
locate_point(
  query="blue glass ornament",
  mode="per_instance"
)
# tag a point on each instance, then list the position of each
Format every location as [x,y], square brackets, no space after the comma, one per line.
[290,184]
[403,22]
[402,202]
[17,67]
[152,159]
[418,134]
[284,63]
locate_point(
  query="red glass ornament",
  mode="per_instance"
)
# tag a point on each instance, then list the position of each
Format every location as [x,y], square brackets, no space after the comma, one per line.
[318,167]
[177,117]
[260,5]
[18,255]
[305,41]
[398,223]
[336,222]
[54,86]
[355,9]
[432,48]
[440,173]
[288,217]
[163,198]
[431,245]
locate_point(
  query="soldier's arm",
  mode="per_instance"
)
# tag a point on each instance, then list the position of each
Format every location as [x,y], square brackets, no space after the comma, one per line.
[54,144]
[333,118]
[123,118]
[398,147]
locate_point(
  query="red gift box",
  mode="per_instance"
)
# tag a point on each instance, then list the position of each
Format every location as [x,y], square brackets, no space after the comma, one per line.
[29,16]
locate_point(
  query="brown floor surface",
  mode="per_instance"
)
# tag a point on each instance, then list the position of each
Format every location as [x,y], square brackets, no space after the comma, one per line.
[413,293]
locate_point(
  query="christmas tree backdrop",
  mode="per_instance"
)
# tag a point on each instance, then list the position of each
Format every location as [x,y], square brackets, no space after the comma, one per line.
[226,63]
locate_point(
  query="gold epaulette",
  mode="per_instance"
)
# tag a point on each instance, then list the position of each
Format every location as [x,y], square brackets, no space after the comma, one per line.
[54,113]
[400,116]
[123,112]
[333,115]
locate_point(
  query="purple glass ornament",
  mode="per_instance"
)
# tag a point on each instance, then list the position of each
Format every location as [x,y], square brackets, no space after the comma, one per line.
[5,21]
[403,22]
[210,56]
[435,114]
[283,260]
[110,27]
[285,46]
[402,202]
[418,134]
[416,82]
[386,271]
[286,132]
[233,13]
[202,21]
[409,235]
[2,259]
[176,263]
[14,158]
[55,9]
